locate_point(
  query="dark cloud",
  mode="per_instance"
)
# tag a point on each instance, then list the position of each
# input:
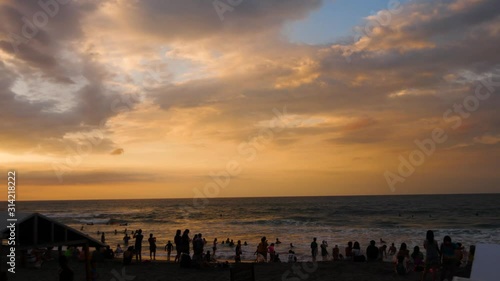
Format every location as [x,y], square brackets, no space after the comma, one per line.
[197,20]
[82,178]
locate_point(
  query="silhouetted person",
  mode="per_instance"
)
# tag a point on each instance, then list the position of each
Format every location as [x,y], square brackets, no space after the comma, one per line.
[152,247]
[185,241]
[392,250]
[356,253]
[238,252]
[372,251]
[126,238]
[108,253]
[432,255]
[138,244]
[348,250]
[314,249]
[449,258]
[127,255]
[178,245]
[214,247]
[168,248]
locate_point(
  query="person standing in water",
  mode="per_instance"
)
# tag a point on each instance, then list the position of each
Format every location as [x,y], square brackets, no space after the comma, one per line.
[168,248]
[214,247]
[238,252]
[324,250]
[314,249]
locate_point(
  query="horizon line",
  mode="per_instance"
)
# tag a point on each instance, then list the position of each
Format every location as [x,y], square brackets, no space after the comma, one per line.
[249,197]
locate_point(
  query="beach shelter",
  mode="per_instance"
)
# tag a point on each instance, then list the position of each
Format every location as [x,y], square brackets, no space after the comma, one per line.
[33,230]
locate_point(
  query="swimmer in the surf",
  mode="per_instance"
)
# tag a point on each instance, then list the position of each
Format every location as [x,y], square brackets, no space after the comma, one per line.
[278,241]
[392,250]
[382,241]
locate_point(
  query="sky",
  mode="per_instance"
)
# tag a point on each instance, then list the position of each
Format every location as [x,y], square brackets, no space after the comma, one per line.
[202,98]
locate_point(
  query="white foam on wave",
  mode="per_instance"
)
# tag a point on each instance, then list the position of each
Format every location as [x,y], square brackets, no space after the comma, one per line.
[95,221]
[70,215]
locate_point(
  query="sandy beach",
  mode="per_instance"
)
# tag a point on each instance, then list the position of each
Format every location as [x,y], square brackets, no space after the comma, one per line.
[161,270]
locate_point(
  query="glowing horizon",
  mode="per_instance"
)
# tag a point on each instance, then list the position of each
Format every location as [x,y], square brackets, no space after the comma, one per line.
[120,100]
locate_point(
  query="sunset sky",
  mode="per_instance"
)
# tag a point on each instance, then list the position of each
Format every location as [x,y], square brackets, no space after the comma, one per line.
[163,99]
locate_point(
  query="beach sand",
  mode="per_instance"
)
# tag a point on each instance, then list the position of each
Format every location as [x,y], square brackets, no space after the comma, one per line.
[113,270]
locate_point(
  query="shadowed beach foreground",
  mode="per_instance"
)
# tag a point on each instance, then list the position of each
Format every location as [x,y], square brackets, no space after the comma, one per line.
[161,270]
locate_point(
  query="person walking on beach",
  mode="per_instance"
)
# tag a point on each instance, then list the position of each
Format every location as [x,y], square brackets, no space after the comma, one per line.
[178,245]
[314,249]
[152,247]
[432,256]
[168,248]
[138,244]
[324,250]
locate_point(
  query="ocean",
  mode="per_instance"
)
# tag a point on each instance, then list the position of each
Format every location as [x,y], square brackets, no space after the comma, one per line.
[469,219]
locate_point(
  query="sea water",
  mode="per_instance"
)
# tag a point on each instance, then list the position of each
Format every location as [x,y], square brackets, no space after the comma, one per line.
[469,219]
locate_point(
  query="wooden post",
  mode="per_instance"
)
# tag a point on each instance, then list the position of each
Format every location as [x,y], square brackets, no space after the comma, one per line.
[35,231]
[88,272]
[52,232]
